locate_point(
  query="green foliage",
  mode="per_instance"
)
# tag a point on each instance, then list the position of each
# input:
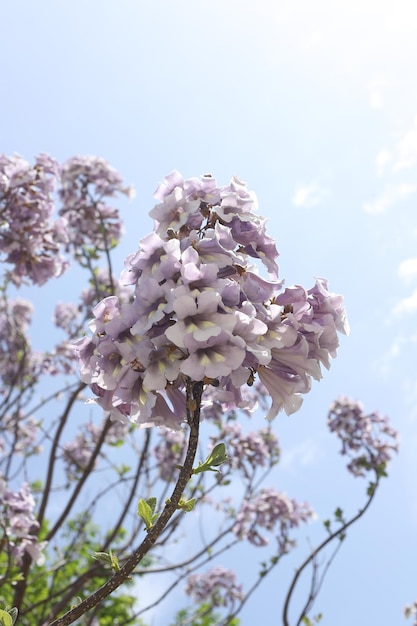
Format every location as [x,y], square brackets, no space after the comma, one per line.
[122,470]
[308,622]
[371,489]
[187,505]
[108,559]
[146,511]
[79,546]
[36,486]
[216,457]
[8,618]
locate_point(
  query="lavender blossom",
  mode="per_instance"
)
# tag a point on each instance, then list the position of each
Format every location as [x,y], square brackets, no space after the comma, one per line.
[76,454]
[367,439]
[217,586]
[273,511]
[25,366]
[18,520]
[247,451]
[23,431]
[169,452]
[84,184]
[30,238]
[65,314]
[201,311]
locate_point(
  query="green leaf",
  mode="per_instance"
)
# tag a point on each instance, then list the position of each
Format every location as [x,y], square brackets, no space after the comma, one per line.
[215,458]
[36,485]
[187,505]
[108,559]
[146,510]
[79,600]
[218,455]
[123,469]
[17,577]
[371,489]
[152,503]
[103,557]
[5,618]
[381,470]
[114,562]
[13,614]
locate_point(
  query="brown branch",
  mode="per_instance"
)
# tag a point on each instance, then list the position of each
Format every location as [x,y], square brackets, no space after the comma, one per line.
[93,570]
[194,393]
[127,504]
[313,555]
[80,483]
[27,559]
[54,448]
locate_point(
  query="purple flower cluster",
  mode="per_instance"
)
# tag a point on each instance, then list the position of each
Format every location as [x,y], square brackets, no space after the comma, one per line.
[21,433]
[19,523]
[71,318]
[217,586]
[216,402]
[76,454]
[169,452]
[247,451]
[65,315]
[15,318]
[273,511]
[367,438]
[202,311]
[101,286]
[89,221]
[31,239]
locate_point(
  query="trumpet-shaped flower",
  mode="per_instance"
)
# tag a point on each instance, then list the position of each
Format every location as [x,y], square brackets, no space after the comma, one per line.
[201,311]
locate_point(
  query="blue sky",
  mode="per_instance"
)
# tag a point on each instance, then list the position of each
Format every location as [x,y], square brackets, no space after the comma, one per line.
[315,106]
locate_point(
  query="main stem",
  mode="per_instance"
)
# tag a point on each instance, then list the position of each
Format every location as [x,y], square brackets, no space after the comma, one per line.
[194,392]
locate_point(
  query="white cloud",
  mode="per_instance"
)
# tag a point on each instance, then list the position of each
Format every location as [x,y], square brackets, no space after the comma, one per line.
[407,269]
[407,305]
[382,159]
[308,195]
[406,150]
[402,156]
[305,454]
[390,195]
[376,98]
[388,364]
[385,364]
[313,40]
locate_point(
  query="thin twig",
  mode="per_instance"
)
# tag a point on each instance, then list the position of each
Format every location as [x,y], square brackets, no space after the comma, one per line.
[320,547]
